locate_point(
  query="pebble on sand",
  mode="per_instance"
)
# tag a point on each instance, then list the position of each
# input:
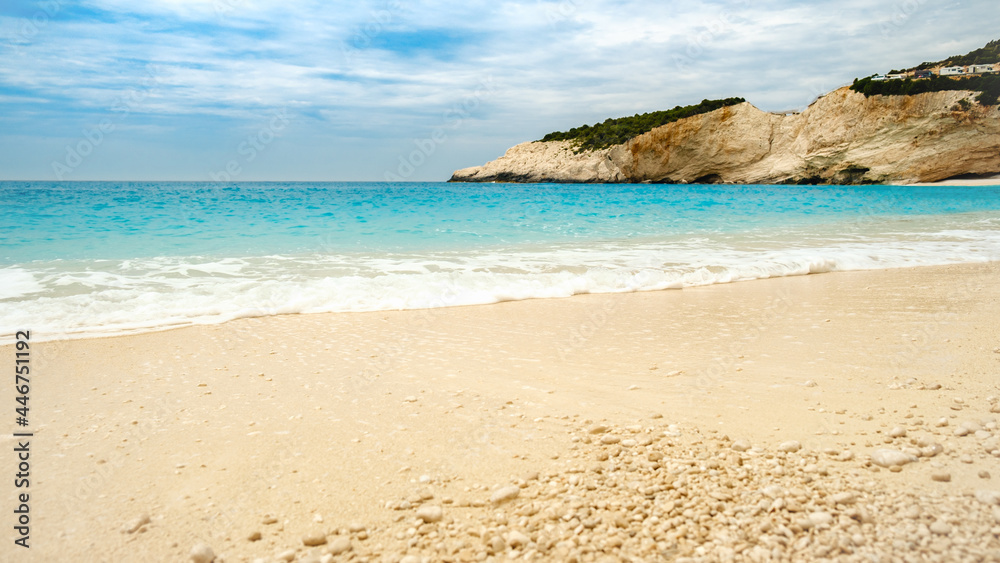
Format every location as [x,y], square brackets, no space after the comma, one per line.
[340,545]
[847,497]
[133,525]
[202,553]
[988,497]
[740,445]
[503,494]
[942,476]
[821,518]
[889,458]
[940,528]
[431,513]
[790,446]
[313,539]
[517,539]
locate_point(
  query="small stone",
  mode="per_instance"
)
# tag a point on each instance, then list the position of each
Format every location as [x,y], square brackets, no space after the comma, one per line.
[965,458]
[942,476]
[810,383]
[988,497]
[410,399]
[504,494]
[340,545]
[984,474]
[597,429]
[517,540]
[287,555]
[314,539]
[740,445]
[940,528]
[254,536]
[972,426]
[941,422]
[133,525]
[848,497]
[609,439]
[497,544]
[891,458]
[790,446]
[897,432]
[202,553]
[356,527]
[269,520]
[821,518]
[961,431]
[430,513]
[931,450]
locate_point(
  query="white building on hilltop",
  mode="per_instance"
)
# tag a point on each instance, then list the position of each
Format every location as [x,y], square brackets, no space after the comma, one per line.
[952,70]
[980,69]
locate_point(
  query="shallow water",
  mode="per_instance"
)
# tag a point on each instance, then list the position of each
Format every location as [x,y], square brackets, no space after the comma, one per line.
[98,258]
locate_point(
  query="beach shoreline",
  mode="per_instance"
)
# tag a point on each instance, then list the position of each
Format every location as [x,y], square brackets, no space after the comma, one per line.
[992,181]
[340,424]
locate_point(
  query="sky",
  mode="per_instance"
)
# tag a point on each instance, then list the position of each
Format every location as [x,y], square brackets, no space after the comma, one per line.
[267,90]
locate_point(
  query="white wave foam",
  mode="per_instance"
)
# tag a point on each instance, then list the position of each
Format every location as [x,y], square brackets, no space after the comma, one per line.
[81,299]
[16,282]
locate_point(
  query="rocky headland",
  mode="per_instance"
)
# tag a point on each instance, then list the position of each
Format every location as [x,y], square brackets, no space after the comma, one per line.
[841,138]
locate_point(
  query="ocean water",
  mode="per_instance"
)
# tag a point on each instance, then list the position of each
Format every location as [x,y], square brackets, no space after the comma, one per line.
[102,258]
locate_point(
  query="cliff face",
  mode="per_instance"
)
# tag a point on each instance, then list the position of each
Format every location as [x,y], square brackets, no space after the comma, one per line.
[545,162]
[842,138]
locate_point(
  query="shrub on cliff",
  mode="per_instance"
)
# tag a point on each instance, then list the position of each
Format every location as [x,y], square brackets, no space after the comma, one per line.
[987,85]
[616,131]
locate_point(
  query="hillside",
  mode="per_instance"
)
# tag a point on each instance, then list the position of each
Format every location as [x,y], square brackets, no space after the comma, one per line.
[617,131]
[984,55]
[875,131]
[843,138]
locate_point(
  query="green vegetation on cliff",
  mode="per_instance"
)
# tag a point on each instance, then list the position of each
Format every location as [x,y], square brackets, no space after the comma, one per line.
[616,131]
[987,85]
[985,55]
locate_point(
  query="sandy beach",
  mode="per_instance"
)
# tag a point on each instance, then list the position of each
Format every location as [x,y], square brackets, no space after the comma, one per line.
[992,181]
[730,422]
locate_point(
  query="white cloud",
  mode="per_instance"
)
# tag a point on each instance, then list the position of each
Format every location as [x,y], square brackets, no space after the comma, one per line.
[389,70]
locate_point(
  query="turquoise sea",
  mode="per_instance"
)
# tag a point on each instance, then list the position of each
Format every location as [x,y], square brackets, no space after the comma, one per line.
[101,258]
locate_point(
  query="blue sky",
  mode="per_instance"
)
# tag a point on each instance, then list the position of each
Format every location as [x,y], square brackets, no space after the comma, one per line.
[301,90]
